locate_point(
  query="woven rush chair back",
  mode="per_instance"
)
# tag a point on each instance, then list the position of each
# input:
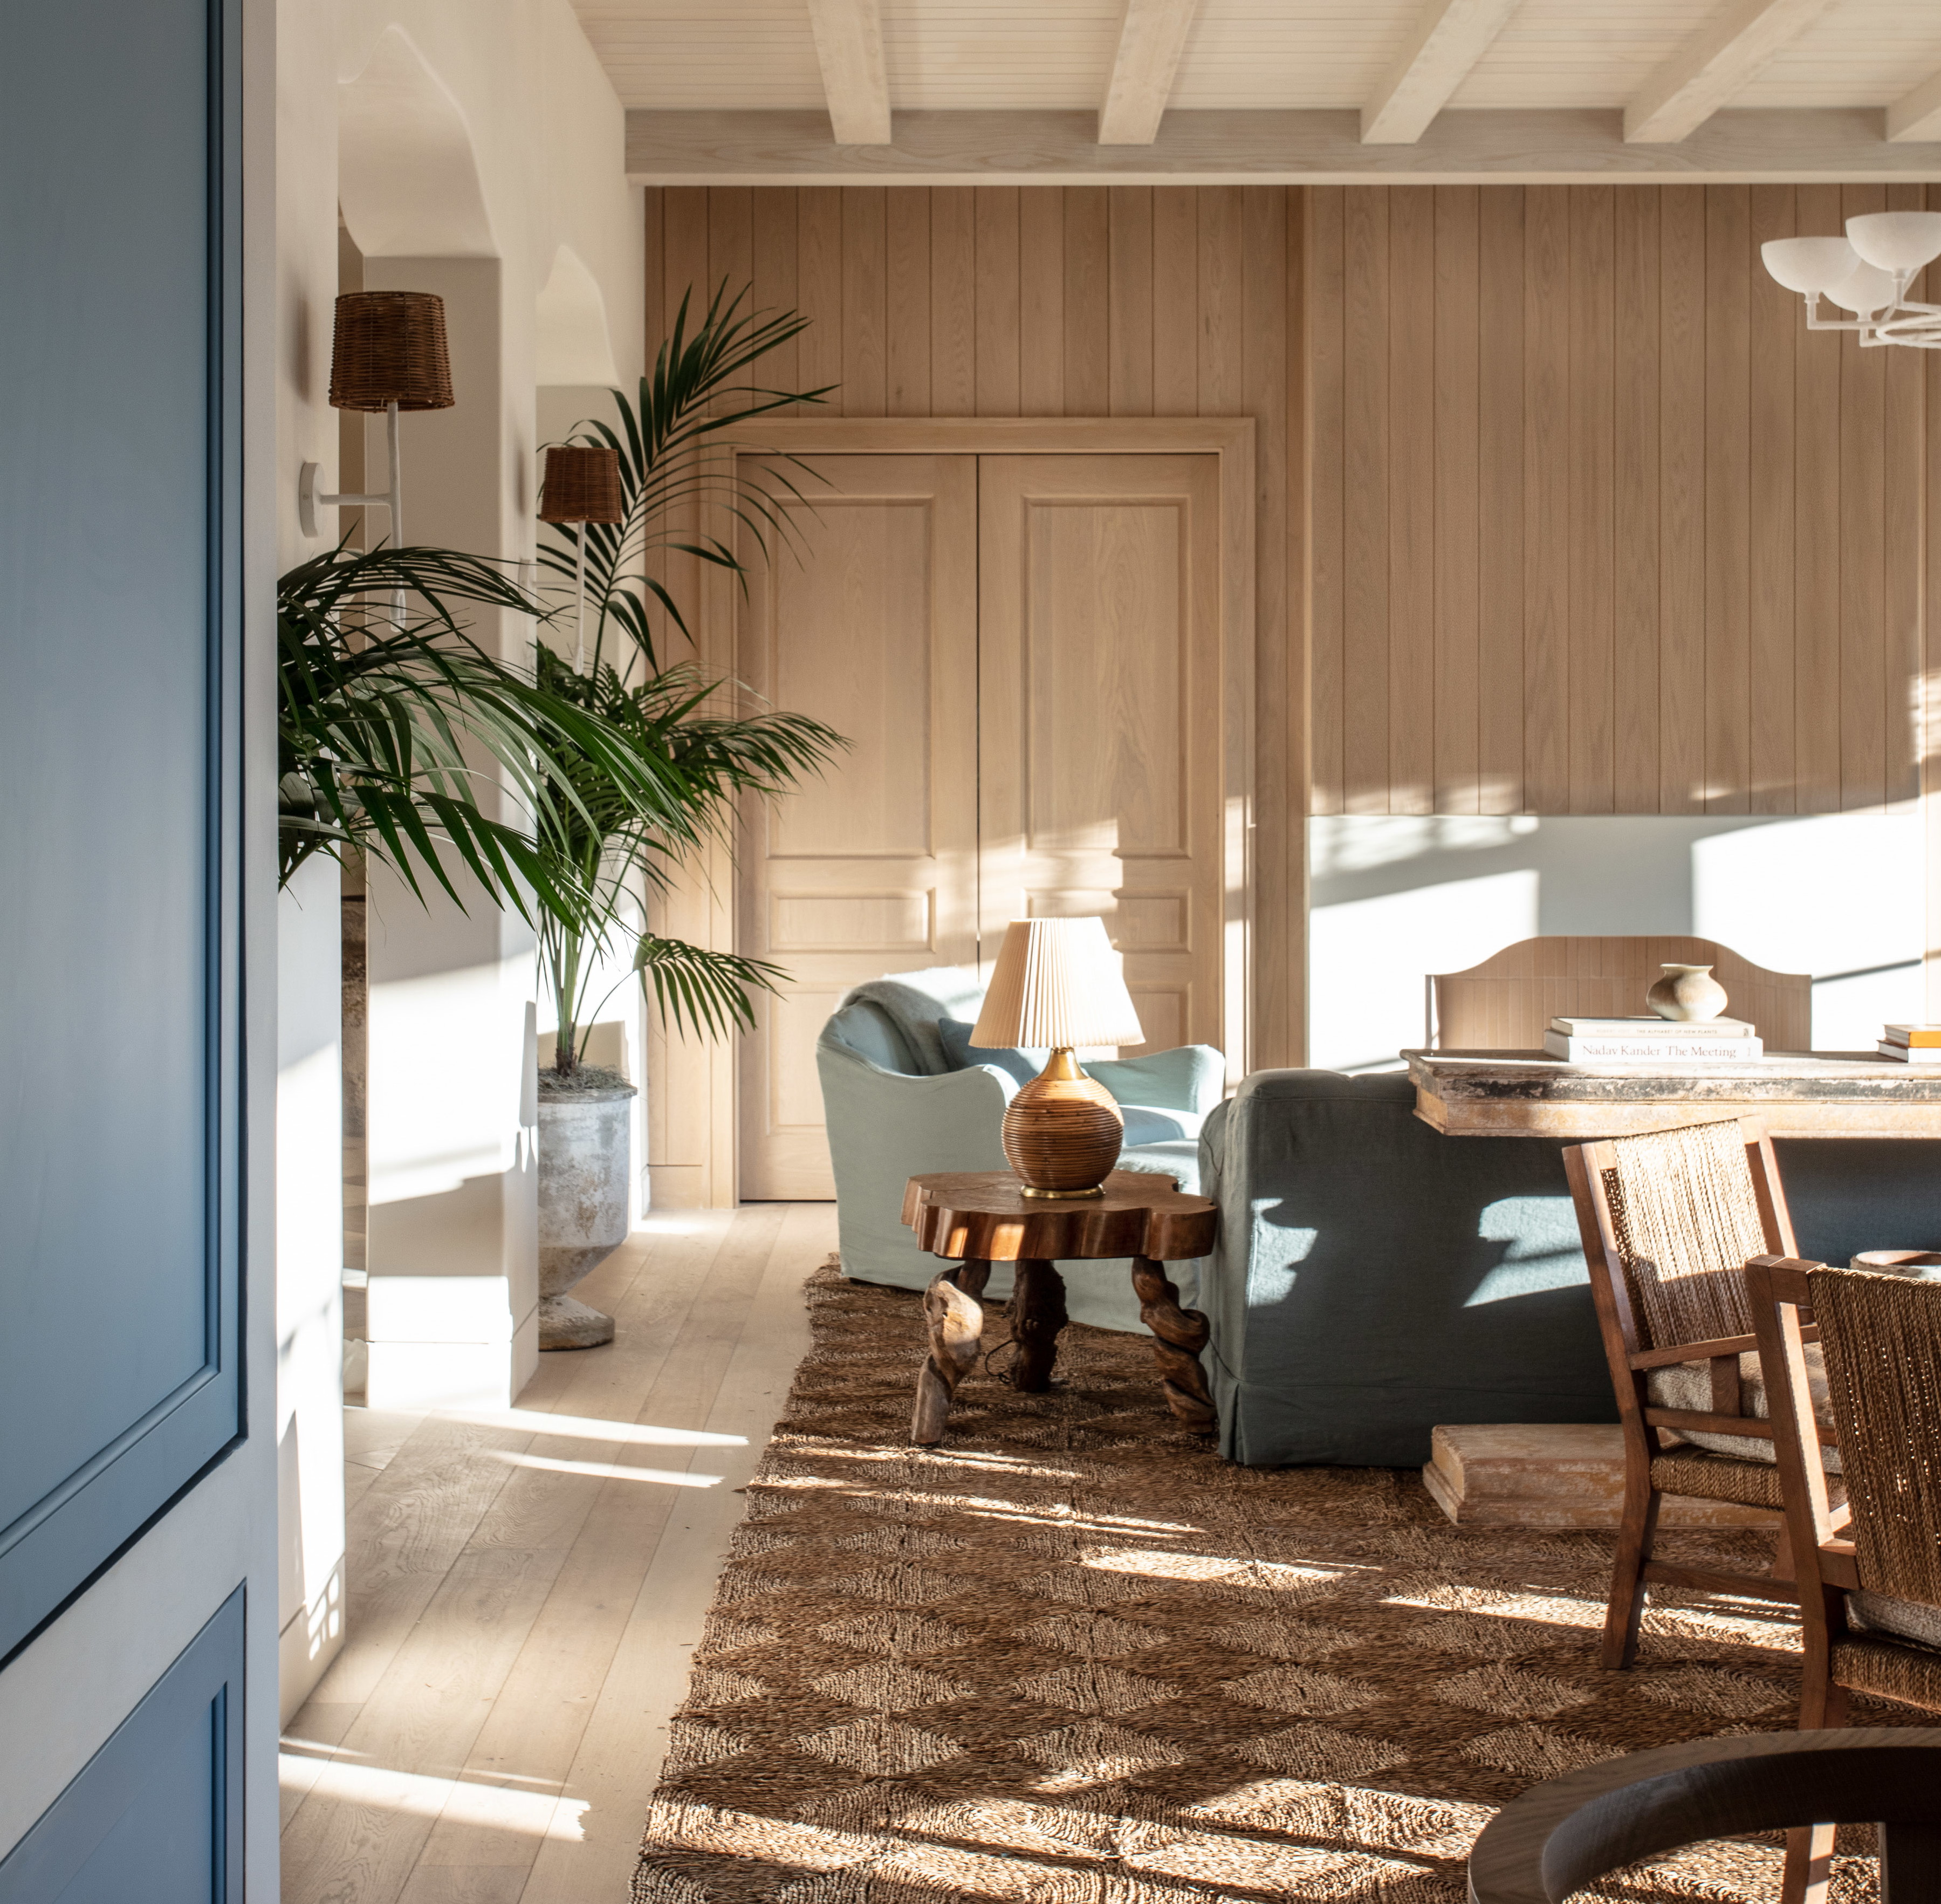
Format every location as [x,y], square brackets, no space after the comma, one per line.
[1669,1219]
[1882,1337]
[1686,1210]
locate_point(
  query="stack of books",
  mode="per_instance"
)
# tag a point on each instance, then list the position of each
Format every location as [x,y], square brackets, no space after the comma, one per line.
[1912,1044]
[1653,1040]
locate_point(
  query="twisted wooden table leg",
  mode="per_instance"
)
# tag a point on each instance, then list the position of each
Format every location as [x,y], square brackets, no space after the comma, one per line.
[1038,1314]
[956,1320]
[1178,1336]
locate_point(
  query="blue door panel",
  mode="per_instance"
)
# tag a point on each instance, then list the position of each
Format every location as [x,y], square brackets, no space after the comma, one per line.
[120,773]
[157,1814]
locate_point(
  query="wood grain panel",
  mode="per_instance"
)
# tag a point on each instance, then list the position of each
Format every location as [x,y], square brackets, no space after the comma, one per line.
[1592,680]
[1816,543]
[865,298]
[1088,265]
[1546,671]
[1500,503]
[1728,496]
[1775,326]
[1100,703]
[1411,478]
[1457,552]
[818,268]
[1327,372]
[907,316]
[1130,301]
[953,301]
[1634,481]
[1364,506]
[1698,533]
[1041,302]
[861,870]
[996,294]
[1176,301]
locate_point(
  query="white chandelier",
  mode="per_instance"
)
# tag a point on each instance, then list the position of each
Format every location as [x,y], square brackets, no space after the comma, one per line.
[1867,273]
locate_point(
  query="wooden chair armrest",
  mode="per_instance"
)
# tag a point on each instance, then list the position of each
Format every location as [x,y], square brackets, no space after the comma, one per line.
[1785,1276]
[1693,1420]
[1693,1351]
[1838,1565]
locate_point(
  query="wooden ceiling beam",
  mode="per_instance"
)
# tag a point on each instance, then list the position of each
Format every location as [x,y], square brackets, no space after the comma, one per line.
[1831,146]
[1917,116]
[1152,37]
[1705,73]
[1450,37]
[855,79]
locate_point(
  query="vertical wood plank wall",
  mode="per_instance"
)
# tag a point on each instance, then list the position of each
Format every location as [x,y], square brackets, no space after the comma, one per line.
[1053,301]
[1561,509]
[1597,525]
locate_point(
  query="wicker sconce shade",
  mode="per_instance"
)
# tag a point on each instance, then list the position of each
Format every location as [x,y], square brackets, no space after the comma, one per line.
[390,348]
[581,484]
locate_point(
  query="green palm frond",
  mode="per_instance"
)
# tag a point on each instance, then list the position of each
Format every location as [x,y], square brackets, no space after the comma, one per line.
[677,444]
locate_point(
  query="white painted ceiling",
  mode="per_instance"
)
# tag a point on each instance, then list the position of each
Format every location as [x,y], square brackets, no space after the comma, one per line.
[1021,55]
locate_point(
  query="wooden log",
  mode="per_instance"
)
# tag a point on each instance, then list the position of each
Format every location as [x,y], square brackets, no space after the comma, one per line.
[956,1320]
[1178,1336]
[1038,1314]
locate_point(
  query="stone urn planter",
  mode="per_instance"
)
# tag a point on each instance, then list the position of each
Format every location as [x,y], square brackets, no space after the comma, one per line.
[585,1154]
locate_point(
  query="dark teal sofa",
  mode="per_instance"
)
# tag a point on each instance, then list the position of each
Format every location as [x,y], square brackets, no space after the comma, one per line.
[1373,1278]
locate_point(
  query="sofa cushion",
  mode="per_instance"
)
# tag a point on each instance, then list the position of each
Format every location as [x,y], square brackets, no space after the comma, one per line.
[1898,1619]
[1689,1385]
[1187,1078]
[870,1031]
[1152,1123]
[1179,1159]
[960,1053]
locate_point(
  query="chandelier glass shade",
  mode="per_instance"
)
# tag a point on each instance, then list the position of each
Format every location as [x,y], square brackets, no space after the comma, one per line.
[1867,273]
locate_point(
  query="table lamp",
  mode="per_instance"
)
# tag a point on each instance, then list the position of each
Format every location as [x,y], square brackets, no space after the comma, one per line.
[1057,983]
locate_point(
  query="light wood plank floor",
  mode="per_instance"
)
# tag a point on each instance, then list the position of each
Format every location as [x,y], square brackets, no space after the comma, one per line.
[525,1588]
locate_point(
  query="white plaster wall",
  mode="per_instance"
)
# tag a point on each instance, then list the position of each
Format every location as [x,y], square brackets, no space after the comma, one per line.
[542,138]
[1395,898]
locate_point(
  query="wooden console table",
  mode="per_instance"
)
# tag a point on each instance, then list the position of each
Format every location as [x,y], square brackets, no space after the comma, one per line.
[1524,1094]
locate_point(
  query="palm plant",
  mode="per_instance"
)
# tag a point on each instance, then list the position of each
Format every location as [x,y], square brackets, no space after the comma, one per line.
[397,729]
[676,449]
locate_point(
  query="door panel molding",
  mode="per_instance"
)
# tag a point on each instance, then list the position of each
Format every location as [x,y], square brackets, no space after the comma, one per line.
[157,1813]
[125,912]
[709,1079]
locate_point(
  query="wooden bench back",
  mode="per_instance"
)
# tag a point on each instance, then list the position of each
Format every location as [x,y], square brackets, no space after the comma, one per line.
[1506,1003]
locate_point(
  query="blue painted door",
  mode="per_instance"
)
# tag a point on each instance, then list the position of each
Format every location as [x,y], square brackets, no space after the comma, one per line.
[121,1116]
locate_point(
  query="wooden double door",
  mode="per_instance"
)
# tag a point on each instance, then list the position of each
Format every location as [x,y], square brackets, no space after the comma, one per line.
[1025,653]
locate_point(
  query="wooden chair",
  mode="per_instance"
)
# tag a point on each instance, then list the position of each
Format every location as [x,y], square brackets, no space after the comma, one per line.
[1561,1836]
[1669,1219]
[1869,1572]
[1506,1003]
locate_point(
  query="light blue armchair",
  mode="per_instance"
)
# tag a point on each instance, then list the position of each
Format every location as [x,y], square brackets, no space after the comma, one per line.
[898,1106]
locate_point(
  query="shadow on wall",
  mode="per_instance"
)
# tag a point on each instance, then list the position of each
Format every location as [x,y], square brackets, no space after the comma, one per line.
[1396,898]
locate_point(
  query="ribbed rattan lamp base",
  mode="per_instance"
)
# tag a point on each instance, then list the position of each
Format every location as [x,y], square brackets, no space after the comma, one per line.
[1062,1131]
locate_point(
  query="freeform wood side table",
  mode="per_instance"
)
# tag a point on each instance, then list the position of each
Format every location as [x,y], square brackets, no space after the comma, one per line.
[975,1218]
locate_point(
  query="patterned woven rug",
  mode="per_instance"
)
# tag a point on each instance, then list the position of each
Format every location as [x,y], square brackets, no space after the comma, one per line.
[1071,1656]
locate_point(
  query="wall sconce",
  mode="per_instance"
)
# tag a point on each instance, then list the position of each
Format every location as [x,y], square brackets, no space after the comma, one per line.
[581,484]
[387,354]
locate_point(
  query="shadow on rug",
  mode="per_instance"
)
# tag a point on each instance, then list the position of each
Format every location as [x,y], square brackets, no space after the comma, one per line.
[1071,1656]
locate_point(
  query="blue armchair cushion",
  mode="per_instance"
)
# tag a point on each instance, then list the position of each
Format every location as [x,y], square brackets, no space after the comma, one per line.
[1163,1096]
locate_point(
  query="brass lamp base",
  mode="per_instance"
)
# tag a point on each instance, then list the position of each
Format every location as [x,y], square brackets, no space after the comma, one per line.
[1062,1131]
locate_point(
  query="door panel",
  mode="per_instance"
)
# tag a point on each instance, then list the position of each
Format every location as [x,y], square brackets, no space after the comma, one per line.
[871,868]
[1099,706]
[120,550]
[157,1814]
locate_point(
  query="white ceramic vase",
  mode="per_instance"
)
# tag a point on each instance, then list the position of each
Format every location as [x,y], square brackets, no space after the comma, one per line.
[585,1153]
[1687,995]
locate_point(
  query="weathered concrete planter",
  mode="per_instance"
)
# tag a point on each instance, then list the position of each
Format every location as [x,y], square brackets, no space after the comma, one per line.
[585,1154]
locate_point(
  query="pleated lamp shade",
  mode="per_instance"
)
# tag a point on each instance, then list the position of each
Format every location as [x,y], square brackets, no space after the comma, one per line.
[389,347]
[581,484]
[1057,983]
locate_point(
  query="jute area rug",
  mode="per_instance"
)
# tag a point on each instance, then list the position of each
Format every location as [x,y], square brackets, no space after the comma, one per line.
[1073,1657]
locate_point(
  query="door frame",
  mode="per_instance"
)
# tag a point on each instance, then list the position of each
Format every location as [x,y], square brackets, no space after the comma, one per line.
[695,1075]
